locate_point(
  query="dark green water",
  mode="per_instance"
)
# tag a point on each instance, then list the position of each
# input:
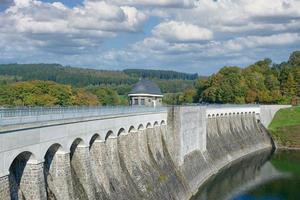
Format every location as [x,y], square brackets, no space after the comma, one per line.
[263,176]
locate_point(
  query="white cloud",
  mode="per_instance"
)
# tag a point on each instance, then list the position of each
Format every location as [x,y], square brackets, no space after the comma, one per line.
[37,17]
[231,15]
[215,48]
[160,3]
[181,32]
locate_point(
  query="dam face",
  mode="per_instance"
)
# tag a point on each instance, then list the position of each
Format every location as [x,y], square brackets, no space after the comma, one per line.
[165,160]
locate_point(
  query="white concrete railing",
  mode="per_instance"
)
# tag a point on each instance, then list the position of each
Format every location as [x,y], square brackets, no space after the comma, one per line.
[14,116]
[229,110]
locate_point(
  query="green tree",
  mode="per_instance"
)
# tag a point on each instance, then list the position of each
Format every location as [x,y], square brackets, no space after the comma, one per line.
[289,88]
[294,59]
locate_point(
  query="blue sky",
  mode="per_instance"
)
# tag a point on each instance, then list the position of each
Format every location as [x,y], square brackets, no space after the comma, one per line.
[184,35]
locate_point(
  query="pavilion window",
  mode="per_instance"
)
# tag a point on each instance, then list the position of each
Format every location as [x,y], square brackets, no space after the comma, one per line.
[136,102]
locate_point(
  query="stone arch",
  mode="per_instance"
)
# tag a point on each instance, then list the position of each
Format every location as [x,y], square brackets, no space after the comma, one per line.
[162,122]
[140,127]
[155,123]
[213,115]
[148,125]
[52,150]
[18,171]
[131,129]
[54,157]
[77,142]
[209,115]
[110,133]
[121,131]
[217,115]
[94,138]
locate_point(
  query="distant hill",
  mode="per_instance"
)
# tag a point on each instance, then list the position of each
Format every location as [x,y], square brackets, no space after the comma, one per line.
[121,81]
[160,74]
[67,75]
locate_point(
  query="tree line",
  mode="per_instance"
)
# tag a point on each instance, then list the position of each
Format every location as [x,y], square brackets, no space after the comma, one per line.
[160,74]
[51,85]
[261,82]
[120,81]
[49,93]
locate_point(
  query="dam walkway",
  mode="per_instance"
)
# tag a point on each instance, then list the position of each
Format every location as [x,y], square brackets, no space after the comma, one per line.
[14,116]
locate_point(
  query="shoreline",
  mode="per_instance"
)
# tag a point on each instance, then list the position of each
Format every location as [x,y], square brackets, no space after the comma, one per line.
[287,148]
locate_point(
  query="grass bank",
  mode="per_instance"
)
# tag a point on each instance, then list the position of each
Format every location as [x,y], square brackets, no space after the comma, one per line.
[285,127]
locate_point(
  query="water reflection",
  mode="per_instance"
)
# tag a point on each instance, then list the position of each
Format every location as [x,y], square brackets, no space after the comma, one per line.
[261,176]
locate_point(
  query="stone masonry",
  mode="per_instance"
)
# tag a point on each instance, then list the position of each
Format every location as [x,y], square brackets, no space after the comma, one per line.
[32,183]
[58,178]
[81,164]
[4,188]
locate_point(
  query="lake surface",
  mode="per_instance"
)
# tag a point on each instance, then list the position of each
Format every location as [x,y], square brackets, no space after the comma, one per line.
[261,176]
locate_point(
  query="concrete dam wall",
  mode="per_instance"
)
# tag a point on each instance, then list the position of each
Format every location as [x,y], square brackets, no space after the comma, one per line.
[167,161]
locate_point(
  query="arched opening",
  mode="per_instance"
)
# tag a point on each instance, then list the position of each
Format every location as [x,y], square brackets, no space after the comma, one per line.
[108,134]
[131,129]
[19,175]
[95,137]
[217,115]
[242,113]
[155,123]
[121,131]
[50,155]
[162,123]
[209,116]
[225,114]
[141,127]
[213,115]
[222,114]
[149,125]
[229,113]
[51,164]
[74,145]
[237,113]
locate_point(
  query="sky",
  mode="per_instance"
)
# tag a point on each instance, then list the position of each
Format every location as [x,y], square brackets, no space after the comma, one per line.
[194,36]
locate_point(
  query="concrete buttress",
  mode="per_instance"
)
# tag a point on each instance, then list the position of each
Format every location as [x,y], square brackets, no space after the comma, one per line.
[80,162]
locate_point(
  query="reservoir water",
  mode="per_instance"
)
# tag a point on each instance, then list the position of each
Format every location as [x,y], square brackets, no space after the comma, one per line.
[261,176]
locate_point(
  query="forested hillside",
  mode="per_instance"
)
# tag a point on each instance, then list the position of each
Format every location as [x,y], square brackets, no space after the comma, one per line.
[261,82]
[78,77]
[160,74]
[76,86]
[44,93]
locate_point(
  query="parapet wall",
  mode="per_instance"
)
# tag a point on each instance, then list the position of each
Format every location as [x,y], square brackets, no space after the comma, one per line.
[267,113]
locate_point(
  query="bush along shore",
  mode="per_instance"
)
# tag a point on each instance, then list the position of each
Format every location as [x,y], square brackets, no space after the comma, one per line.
[285,128]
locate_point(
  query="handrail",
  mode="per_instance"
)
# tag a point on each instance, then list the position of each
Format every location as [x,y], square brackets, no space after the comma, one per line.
[14,116]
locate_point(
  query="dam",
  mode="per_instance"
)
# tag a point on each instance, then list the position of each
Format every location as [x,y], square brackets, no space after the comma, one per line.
[125,153]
